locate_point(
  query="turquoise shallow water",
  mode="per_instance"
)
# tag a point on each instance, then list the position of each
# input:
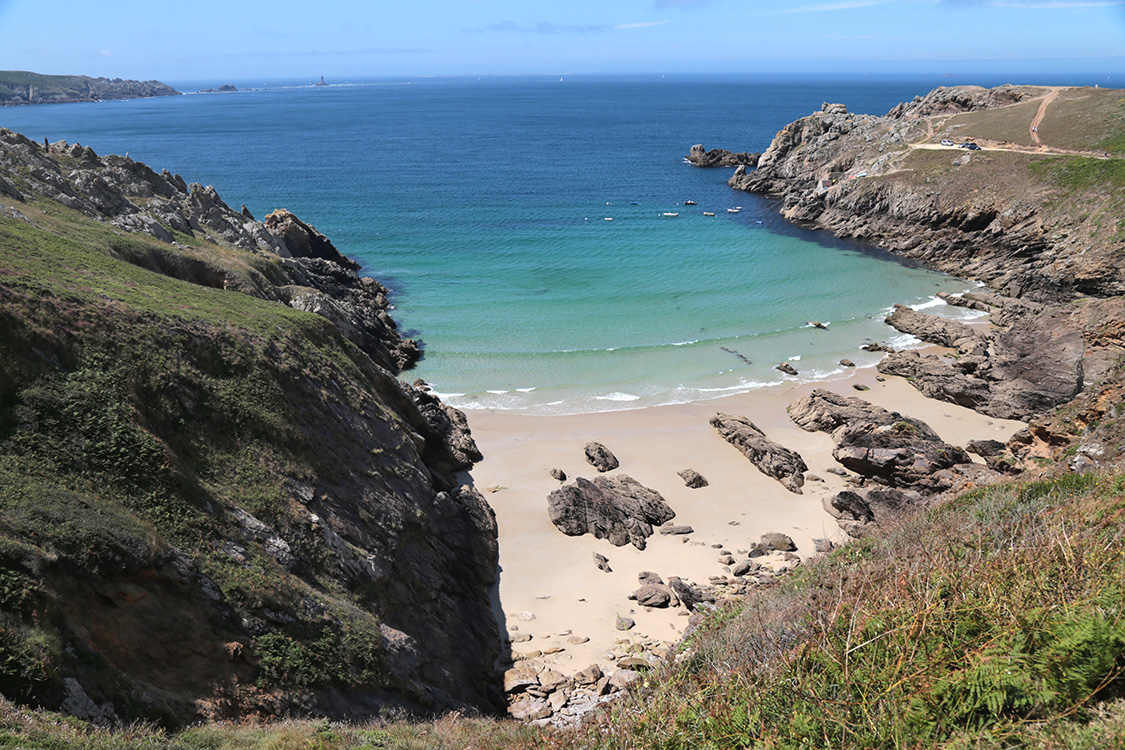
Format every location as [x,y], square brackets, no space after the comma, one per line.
[483,205]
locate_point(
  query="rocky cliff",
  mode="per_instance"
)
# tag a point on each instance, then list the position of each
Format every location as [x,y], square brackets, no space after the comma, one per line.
[216,500]
[22,87]
[1005,213]
[1033,209]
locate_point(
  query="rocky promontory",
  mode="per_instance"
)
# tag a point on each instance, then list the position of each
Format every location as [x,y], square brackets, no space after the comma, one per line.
[23,87]
[1002,212]
[720,157]
[217,501]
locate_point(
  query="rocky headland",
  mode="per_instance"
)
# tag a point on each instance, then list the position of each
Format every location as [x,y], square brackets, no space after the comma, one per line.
[720,157]
[216,498]
[22,87]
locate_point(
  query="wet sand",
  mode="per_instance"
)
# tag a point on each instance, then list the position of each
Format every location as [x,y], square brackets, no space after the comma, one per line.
[550,588]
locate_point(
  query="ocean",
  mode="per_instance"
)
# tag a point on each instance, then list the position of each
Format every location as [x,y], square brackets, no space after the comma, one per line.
[521,223]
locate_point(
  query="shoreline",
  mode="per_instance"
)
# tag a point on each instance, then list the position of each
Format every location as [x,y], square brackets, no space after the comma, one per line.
[549,586]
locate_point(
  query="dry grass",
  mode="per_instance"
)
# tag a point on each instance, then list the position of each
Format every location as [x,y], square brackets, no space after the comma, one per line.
[1085,119]
[1011,123]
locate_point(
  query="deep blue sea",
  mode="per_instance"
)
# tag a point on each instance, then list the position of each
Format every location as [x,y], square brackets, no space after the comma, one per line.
[485,205]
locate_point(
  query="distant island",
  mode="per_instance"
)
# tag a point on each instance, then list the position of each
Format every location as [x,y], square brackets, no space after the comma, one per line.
[226,88]
[22,87]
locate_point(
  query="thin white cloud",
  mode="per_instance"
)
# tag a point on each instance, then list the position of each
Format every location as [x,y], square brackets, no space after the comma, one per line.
[546,28]
[1038,4]
[1033,4]
[107,53]
[664,4]
[828,7]
[642,25]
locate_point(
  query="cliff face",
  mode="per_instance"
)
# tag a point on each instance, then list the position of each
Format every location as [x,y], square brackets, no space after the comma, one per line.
[1004,214]
[22,87]
[216,500]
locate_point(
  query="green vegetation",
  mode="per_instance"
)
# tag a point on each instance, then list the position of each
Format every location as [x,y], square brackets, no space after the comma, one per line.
[1085,119]
[134,406]
[23,87]
[1011,123]
[985,622]
[1082,172]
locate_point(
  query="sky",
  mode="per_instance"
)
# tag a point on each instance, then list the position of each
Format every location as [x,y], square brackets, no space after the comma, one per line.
[240,40]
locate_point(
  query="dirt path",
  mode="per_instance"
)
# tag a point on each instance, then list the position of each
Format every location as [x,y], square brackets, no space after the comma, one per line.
[1033,129]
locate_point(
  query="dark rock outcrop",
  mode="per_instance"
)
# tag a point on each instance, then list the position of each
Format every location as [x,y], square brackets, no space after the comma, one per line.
[899,455]
[772,459]
[1034,366]
[824,411]
[876,443]
[719,157]
[857,510]
[618,508]
[693,478]
[600,457]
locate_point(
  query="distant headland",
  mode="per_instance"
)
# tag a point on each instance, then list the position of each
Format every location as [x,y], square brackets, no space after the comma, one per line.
[22,87]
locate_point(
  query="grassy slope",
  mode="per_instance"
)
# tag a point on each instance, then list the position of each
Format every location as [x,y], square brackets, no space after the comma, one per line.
[14,83]
[131,405]
[996,620]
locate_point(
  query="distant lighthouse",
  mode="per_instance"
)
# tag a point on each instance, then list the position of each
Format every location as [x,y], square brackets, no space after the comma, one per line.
[321,82]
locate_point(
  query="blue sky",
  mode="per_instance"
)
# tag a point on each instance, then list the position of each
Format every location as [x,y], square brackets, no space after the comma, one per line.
[236,40]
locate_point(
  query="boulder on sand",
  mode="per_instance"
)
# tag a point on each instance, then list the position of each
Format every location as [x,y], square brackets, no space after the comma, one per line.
[771,458]
[617,508]
[600,457]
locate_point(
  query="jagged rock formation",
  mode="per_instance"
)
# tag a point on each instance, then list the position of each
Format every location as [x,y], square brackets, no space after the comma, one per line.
[1037,364]
[306,270]
[772,459]
[987,215]
[22,87]
[213,502]
[617,508]
[878,444]
[720,157]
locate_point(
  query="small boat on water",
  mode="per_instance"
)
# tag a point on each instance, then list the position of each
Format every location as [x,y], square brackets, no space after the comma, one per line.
[689,203]
[609,218]
[733,210]
[708,213]
[670,213]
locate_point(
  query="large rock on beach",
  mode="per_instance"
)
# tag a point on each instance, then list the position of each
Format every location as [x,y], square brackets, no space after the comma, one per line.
[771,458]
[899,454]
[619,509]
[600,457]
[824,411]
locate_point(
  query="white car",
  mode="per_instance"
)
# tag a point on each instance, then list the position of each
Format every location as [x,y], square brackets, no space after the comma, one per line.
[946,142]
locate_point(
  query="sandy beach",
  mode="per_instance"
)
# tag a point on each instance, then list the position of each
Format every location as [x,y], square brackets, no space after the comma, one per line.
[550,588]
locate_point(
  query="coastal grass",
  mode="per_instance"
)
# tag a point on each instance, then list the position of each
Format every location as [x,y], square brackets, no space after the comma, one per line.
[1004,124]
[133,404]
[44,730]
[1086,119]
[994,620]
